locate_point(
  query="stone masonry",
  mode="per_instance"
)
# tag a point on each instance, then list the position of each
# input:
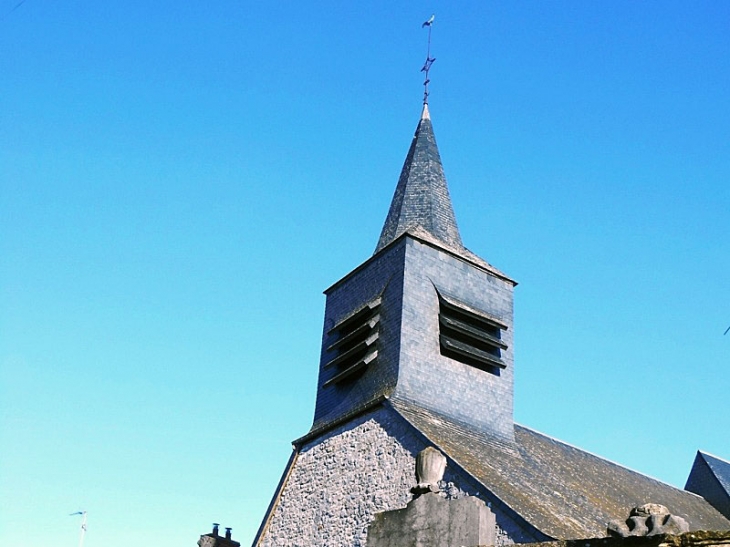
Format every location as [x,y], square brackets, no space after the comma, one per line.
[341,480]
[688,539]
[431,521]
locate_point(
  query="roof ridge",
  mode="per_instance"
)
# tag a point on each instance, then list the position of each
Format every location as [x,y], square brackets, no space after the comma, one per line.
[714,456]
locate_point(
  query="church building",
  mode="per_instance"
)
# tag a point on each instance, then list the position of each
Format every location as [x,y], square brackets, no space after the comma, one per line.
[417,352]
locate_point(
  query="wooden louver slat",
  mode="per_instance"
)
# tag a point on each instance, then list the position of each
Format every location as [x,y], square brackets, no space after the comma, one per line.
[356,343]
[470,337]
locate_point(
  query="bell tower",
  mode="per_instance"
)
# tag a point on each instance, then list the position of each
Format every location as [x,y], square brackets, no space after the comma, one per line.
[424,320]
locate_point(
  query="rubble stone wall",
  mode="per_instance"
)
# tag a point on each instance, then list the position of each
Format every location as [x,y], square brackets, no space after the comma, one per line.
[341,480]
[689,539]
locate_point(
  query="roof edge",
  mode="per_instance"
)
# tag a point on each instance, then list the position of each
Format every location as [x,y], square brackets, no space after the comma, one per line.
[467,257]
[724,460]
[264,526]
[329,426]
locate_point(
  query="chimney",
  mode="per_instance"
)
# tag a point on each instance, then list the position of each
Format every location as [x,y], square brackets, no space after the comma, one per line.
[213,539]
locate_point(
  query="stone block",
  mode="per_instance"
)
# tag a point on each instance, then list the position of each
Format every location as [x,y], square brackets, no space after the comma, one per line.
[432,521]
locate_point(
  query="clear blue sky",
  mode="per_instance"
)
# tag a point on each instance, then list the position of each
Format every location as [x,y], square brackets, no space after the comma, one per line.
[180,181]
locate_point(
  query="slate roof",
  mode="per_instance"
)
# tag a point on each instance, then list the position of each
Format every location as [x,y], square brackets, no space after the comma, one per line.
[421,205]
[720,468]
[421,196]
[562,491]
[710,478]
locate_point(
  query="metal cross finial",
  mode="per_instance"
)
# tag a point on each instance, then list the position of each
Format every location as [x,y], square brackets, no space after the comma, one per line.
[429,59]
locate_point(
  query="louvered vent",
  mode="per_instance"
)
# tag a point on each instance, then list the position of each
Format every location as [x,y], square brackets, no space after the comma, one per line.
[470,337]
[356,345]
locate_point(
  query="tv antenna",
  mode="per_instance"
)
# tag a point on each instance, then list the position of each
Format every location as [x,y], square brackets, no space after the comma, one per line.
[83,526]
[429,59]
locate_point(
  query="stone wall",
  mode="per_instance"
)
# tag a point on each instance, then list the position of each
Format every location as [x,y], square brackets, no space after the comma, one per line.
[341,480]
[689,539]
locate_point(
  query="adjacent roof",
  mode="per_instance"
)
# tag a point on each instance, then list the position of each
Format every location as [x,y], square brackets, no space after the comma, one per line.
[562,491]
[710,478]
[720,468]
[421,197]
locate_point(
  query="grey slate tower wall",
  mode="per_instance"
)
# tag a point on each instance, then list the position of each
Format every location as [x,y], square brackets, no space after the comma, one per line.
[431,380]
[408,276]
[381,276]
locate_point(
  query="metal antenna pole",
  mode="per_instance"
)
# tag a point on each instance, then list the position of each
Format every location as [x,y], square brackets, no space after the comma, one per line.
[83,530]
[429,60]
[83,526]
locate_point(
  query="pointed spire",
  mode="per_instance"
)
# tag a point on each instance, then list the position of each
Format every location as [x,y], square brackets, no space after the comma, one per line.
[421,198]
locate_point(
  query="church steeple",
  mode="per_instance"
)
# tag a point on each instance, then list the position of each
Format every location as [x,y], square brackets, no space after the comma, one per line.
[424,322]
[421,198]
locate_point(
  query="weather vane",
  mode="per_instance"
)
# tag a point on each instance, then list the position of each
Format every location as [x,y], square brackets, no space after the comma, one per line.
[429,59]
